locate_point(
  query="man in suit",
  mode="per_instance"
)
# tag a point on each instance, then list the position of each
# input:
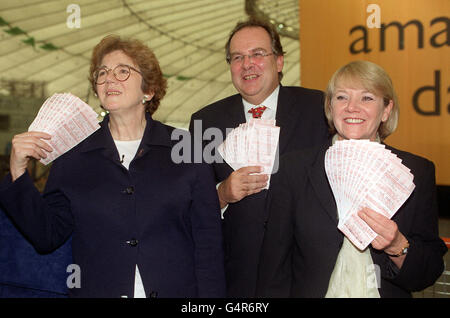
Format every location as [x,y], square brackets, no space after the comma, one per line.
[256,60]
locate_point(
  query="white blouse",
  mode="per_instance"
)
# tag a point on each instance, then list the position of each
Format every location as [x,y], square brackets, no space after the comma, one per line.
[127,151]
[354,274]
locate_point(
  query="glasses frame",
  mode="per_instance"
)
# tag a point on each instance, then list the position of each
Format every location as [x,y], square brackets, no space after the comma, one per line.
[114,73]
[250,57]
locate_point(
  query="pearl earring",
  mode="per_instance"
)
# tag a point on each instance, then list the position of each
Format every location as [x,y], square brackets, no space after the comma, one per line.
[145,99]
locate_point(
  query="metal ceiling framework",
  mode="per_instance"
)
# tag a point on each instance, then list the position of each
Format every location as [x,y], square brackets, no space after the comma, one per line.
[37,45]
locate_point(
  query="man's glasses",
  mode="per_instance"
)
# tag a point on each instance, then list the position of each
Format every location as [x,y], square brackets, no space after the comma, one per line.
[256,57]
[121,73]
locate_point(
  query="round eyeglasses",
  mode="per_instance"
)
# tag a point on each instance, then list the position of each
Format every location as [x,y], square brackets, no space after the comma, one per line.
[121,73]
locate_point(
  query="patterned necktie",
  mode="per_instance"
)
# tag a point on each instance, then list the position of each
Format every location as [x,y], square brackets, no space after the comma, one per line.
[257,111]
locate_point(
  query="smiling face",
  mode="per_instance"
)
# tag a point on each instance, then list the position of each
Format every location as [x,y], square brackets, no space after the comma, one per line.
[254,81]
[358,113]
[117,96]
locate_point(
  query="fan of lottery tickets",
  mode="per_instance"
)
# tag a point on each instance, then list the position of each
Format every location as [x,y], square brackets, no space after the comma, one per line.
[252,144]
[362,174]
[68,120]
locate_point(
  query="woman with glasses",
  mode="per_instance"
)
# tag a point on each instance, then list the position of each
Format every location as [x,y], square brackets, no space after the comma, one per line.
[141,225]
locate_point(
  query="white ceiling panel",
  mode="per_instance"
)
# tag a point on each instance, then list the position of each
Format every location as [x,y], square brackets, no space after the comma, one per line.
[187,36]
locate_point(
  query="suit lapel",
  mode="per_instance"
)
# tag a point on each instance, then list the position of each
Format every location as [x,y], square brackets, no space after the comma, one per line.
[231,117]
[319,181]
[286,117]
[235,113]
[103,142]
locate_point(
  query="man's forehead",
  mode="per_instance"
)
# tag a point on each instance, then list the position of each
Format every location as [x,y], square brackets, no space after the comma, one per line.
[251,38]
[252,50]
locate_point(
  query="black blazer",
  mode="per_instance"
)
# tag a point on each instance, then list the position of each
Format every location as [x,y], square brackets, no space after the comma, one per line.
[160,215]
[303,124]
[302,240]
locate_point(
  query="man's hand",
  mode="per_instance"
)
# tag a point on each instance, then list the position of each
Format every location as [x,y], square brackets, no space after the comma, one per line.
[241,183]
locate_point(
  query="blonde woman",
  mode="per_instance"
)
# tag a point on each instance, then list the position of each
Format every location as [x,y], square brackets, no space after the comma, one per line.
[304,254]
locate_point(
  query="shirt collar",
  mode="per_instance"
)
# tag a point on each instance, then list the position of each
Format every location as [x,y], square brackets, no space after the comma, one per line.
[336,138]
[270,102]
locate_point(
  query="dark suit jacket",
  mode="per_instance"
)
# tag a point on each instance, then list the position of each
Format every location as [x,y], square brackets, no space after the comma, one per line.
[302,240]
[301,118]
[160,215]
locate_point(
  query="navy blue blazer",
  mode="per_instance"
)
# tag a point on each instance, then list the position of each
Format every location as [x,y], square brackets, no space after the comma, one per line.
[160,215]
[302,241]
[302,124]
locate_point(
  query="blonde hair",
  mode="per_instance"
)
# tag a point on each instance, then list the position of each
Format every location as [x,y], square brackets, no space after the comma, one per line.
[375,80]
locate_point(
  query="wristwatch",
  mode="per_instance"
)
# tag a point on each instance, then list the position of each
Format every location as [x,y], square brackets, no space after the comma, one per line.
[403,251]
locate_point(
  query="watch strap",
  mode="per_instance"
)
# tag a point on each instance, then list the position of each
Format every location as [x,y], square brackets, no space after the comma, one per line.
[402,252]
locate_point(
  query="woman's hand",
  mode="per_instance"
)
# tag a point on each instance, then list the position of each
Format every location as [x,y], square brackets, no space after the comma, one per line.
[389,238]
[25,146]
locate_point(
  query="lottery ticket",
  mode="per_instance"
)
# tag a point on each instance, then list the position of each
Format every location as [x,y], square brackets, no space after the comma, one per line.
[362,174]
[254,143]
[68,120]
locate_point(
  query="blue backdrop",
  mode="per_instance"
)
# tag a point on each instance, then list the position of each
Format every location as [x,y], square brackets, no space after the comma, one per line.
[26,273]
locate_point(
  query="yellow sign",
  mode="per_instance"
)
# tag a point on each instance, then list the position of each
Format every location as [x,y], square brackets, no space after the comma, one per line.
[410,39]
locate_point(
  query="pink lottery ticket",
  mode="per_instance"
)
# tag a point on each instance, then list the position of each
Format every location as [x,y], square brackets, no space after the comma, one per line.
[365,174]
[68,120]
[250,144]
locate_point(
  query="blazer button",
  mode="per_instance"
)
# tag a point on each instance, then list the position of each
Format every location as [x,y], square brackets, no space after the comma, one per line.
[133,242]
[128,190]
[153,294]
